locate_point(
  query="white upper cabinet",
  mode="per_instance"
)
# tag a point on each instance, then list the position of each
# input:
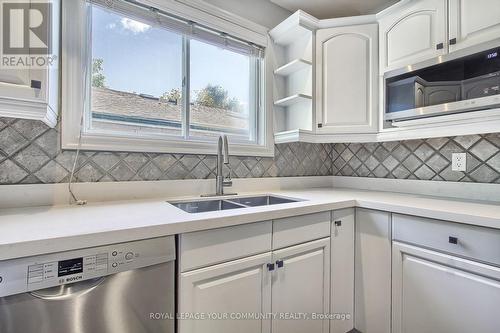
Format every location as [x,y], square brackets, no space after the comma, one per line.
[412,33]
[473,22]
[346,75]
[31,92]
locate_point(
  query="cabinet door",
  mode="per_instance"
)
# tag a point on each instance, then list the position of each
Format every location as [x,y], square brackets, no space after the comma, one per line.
[17,84]
[434,292]
[342,270]
[473,22]
[347,85]
[237,287]
[372,282]
[32,92]
[413,32]
[301,285]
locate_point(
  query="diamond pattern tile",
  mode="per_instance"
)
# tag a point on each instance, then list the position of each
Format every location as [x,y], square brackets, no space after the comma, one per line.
[150,171]
[423,159]
[49,142]
[29,129]
[484,150]
[122,172]
[105,160]
[30,153]
[89,173]
[136,161]
[32,158]
[10,172]
[52,172]
[11,141]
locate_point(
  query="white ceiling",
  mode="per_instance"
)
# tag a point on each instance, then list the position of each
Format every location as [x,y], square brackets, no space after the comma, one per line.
[324,9]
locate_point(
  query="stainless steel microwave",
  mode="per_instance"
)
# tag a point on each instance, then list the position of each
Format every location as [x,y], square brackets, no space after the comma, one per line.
[466,84]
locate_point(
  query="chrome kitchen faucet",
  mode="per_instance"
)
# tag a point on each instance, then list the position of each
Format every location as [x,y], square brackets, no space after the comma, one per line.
[222,181]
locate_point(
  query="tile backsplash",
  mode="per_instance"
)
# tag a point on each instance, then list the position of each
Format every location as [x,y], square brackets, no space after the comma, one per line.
[428,159]
[30,153]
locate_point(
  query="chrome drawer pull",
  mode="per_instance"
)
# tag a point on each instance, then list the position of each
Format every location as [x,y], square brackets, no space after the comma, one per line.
[453,240]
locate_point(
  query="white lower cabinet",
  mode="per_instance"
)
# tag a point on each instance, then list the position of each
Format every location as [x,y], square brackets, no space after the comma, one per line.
[435,292]
[342,271]
[237,287]
[292,282]
[372,282]
[301,284]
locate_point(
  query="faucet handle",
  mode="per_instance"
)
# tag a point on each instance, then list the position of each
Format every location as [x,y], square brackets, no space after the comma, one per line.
[227,181]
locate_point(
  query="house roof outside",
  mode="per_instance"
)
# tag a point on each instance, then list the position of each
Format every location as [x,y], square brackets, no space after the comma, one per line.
[122,107]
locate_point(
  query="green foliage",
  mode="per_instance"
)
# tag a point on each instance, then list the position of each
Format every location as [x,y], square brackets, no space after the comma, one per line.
[217,97]
[98,78]
[174,96]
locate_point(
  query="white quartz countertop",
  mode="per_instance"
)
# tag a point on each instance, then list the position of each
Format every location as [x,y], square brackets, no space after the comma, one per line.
[38,230]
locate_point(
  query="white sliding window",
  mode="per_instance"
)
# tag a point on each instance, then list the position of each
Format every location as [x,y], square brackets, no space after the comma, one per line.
[154,81]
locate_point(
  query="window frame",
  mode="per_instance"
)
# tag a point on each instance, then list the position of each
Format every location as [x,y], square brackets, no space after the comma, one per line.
[76,59]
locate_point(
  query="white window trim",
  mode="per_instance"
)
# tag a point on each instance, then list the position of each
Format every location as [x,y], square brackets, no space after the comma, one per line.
[74,63]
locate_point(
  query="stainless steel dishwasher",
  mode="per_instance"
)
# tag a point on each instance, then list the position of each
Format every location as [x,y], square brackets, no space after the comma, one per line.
[120,288]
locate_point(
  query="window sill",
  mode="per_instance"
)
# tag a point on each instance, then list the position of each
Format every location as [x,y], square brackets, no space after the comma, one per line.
[102,142]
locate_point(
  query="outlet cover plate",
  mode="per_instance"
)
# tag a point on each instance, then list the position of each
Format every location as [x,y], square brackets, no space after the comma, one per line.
[459,162]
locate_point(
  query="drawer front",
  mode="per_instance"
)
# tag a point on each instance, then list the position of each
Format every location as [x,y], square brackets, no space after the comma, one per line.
[479,243]
[300,229]
[208,247]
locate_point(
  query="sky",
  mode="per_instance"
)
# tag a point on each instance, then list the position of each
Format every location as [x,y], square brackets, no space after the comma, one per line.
[144,59]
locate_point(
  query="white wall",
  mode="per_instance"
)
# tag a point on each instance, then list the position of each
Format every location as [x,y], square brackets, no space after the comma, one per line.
[262,12]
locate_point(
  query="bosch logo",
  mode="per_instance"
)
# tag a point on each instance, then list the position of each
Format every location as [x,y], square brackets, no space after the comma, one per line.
[73,278]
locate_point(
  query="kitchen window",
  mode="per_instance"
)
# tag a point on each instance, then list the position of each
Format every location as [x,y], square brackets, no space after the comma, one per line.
[152,80]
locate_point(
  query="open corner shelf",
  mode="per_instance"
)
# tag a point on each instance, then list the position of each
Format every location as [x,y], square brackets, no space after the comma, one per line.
[291,35]
[295,135]
[294,99]
[292,67]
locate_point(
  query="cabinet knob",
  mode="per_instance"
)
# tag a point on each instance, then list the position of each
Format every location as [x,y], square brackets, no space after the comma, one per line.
[440,46]
[320,125]
[453,240]
[453,41]
[280,263]
[338,223]
[35,84]
[270,267]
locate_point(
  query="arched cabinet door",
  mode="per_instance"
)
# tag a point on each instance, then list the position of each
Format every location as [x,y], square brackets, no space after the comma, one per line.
[412,33]
[346,79]
[473,22]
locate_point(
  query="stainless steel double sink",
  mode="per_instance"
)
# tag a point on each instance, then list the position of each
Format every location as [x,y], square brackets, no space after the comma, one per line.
[212,205]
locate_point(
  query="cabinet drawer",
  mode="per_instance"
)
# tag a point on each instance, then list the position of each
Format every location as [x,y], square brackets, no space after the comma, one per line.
[300,229]
[473,242]
[208,247]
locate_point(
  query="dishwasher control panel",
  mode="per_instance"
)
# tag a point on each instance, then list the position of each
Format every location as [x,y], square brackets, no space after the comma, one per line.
[68,270]
[44,271]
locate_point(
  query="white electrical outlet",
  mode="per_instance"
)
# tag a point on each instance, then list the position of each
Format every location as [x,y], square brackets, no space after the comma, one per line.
[459,161]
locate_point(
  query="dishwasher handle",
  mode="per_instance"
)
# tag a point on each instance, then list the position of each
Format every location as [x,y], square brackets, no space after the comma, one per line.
[67,291]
